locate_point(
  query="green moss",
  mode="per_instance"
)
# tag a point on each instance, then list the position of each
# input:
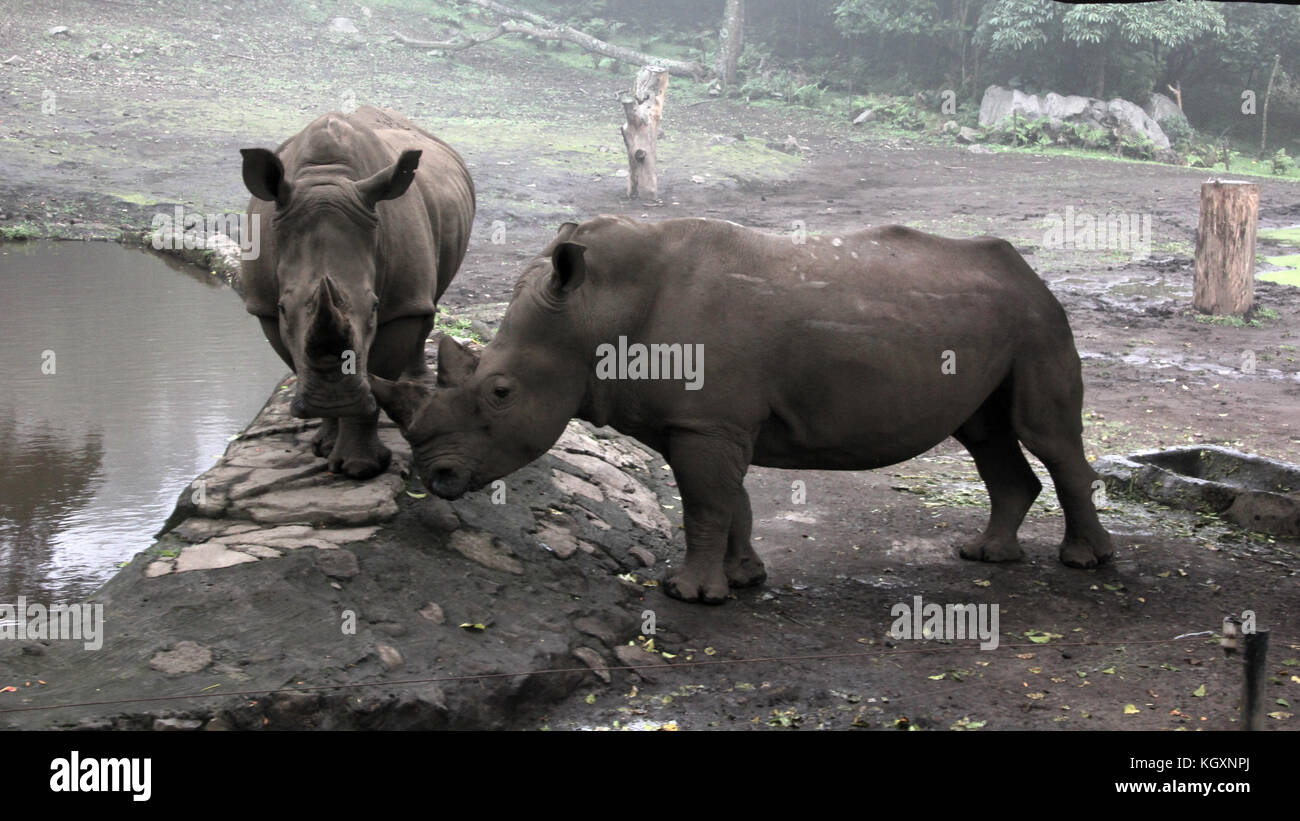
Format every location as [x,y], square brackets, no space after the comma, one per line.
[18,232]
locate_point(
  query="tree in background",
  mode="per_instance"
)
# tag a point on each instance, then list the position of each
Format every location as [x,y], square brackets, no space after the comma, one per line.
[1100,34]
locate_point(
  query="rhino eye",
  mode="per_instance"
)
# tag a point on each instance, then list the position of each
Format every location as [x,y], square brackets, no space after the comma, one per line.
[280,305]
[500,391]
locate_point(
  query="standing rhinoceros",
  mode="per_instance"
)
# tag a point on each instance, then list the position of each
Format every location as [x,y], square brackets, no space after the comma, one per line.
[352,264]
[842,353]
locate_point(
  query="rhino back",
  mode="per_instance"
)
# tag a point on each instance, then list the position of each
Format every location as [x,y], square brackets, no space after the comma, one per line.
[837,334]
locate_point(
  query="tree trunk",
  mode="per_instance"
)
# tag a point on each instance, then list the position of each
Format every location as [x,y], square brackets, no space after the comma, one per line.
[1263,131]
[643,108]
[543,29]
[1225,248]
[731,42]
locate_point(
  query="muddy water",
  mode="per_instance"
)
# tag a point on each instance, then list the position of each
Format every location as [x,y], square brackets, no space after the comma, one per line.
[153,368]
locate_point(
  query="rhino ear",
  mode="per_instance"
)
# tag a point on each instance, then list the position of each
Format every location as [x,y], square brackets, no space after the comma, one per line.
[569,268]
[393,181]
[401,400]
[456,363]
[264,176]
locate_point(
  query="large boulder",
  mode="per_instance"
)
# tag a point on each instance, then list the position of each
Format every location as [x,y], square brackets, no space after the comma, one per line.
[1159,107]
[1000,104]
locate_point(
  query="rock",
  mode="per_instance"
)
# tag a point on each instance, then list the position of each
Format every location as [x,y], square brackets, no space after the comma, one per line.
[950,127]
[645,557]
[593,660]
[185,657]
[159,568]
[594,627]
[979,149]
[257,550]
[389,656]
[481,329]
[345,502]
[1159,107]
[340,563]
[343,25]
[966,134]
[162,724]
[1001,103]
[639,503]
[438,514]
[560,540]
[433,612]
[632,656]
[721,139]
[59,31]
[209,556]
[864,115]
[199,529]
[485,549]
[15,60]
[1133,120]
[573,486]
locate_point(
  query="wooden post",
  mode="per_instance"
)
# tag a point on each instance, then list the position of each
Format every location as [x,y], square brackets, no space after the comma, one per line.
[1225,248]
[1253,691]
[643,108]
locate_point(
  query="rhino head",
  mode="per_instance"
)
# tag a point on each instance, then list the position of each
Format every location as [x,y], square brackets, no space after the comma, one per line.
[489,415]
[326,239]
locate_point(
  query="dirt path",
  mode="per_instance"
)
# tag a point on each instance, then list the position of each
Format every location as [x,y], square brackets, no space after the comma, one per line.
[130,133]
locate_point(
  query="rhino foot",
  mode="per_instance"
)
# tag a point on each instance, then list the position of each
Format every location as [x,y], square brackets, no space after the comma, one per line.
[322,444]
[690,586]
[1082,553]
[746,572]
[360,464]
[992,549]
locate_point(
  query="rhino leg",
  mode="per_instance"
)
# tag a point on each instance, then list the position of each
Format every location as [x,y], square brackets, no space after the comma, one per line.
[1047,413]
[710,473]
[358,453]
[742,565]
[1011,483]
[322,444]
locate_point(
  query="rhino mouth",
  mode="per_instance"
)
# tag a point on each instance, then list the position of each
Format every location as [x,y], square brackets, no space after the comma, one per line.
[449,481]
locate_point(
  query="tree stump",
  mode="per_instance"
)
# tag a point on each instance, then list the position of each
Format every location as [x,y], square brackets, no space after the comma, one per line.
[1225,248]
[643,108]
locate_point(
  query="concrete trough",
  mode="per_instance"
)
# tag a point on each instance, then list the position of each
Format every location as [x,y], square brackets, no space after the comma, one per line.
[1251,491]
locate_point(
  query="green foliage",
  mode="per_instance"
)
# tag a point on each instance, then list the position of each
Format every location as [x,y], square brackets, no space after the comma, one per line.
[1019,131]
[18,232]
[1178,130]
[1282,162]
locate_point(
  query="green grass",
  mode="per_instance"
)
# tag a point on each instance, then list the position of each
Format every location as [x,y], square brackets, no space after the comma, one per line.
[456,326]
[20,231]
[1282,236]
[1290,273]
[1261,317]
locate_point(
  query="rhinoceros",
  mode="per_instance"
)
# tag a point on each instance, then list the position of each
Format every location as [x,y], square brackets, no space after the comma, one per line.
[841,353]
[352,265]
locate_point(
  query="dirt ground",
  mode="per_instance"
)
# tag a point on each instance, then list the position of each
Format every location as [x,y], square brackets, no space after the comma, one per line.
[540,128]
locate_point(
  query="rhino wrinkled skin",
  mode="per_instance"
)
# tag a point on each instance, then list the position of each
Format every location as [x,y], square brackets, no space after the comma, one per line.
[364,219]
[844,353]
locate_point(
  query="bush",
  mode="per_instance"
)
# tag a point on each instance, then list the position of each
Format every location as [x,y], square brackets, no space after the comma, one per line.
[1018,131]
[1178,130]
[1282,162]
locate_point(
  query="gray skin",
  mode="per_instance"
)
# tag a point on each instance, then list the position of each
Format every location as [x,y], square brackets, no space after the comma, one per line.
[364,219]
[825,356]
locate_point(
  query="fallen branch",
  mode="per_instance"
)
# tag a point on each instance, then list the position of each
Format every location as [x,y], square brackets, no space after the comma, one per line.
[543,29]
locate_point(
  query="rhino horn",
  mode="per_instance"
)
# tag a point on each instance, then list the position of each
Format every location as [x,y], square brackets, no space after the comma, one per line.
[330,333]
